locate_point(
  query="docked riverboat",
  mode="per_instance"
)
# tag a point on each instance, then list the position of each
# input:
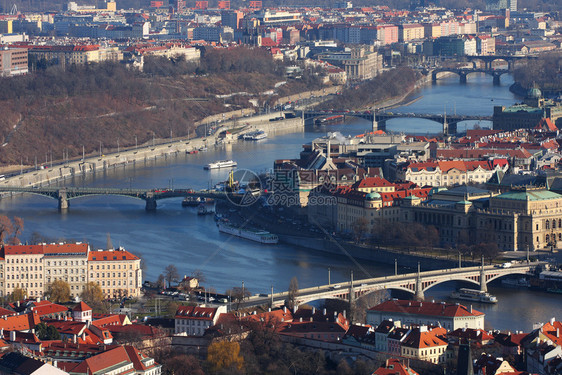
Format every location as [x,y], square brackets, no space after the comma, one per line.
[474,295]
[261,236]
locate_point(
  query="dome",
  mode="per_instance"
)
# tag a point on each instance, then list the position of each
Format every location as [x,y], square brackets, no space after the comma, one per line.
[373,196]
[534,93]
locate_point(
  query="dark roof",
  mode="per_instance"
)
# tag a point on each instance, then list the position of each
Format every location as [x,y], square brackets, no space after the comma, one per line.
[16,363]
[464,361]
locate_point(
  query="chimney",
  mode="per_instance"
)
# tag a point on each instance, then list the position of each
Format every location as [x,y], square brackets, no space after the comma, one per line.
[284,309]
[38,299]
[17,303]
[2,333]
[269,310]
[13,336]
[345,314]
[294,309]
[557,332]
[324,311]
[471,309]
[300,319]
[74,339]
[84,336]
[313,310]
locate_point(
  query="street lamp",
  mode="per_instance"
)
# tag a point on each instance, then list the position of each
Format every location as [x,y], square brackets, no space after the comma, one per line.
[243,291]
[136,142]
[329,282]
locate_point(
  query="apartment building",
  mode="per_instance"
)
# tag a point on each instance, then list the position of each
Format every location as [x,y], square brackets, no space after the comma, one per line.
[76,54]
[24,269]
[194,320]
[34,267]
[67,262]
[409,32]
[13,61]
[117,271]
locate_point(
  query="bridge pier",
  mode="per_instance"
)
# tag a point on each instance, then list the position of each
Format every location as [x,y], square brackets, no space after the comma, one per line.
[150,204]
[433,77]
[63,200]
[496,79]
[483,284]
[419,296]
[462,77]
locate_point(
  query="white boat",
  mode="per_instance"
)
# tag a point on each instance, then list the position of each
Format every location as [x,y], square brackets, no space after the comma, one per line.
[261,236]
[221,164]
[474,295]
[255,135]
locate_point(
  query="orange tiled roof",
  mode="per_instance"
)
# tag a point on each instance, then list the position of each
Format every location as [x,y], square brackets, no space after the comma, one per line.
[110,255]
[425,308]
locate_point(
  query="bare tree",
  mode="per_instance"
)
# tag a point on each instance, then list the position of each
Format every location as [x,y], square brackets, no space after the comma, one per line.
[293,292]
[171,274]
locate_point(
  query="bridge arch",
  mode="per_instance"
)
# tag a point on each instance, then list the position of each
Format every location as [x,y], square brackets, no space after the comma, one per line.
[515,272]
[451,278]
[344,297]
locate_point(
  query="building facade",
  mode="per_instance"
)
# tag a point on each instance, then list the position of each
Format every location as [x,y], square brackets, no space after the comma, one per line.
[13,62]
[117,271]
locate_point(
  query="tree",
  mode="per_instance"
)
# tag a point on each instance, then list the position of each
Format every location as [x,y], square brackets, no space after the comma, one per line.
[18,229]
[171,274]
[6,228]
[238,294]
[183,365]
[360,227]
[161,282]
[47,332]
[59,291]
[198,274]
[224,355]
[292,293]
[92,294]
[18,294]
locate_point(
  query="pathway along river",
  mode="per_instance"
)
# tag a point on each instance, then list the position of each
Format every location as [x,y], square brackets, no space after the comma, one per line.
[176,235]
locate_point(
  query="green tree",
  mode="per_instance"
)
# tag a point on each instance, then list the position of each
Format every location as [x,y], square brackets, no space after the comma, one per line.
[161,282]
[224,355]
[47,332]
[59,291]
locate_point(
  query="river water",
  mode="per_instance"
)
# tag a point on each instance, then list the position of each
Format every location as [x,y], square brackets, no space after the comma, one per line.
[176,235]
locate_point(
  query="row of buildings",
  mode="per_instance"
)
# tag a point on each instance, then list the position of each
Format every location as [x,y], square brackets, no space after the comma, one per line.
[423,333]
[34,267]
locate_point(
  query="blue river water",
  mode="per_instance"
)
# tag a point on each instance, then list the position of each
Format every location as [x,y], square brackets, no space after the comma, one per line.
[176,235]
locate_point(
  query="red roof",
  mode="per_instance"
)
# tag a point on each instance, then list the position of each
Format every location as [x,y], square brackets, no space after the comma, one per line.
[82,307]
[425,308]
[419,338]
[393,366]
[196,312]
[109,255]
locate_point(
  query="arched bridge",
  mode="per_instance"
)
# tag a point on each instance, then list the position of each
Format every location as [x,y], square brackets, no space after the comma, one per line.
[416,283]
[463,72]
[64,194]
[379,119]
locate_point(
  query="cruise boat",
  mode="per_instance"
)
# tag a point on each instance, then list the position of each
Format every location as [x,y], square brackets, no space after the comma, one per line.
[474,295]
[249,234]
[255,135]
[221,164]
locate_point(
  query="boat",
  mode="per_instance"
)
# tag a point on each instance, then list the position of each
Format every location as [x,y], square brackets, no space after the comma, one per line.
[202,210]
[260,236]
[516,283]
[221,164]
[474,295]
[202,148]
[192,152]
[190,202]
[256,136]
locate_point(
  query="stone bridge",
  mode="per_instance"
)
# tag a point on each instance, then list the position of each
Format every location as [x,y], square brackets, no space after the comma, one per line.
[416,283]
[463,72]
[65,194]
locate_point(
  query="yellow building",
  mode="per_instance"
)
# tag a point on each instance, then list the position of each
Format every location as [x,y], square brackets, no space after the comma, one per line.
[67,262]
[76,54]
[117,272]
[23,268]
[410,32]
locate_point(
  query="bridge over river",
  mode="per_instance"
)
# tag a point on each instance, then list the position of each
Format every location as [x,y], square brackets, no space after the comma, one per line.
[416,283]
[379,119]
[65,194]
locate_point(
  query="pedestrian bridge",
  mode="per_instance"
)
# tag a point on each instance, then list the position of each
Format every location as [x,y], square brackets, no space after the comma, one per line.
[65,194]
[416,283]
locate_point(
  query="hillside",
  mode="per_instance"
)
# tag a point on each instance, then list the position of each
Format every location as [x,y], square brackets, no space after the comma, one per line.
[57,112]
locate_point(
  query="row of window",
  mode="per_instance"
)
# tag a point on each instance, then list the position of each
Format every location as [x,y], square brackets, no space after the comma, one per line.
[109,267]
[65,263]
[103,275]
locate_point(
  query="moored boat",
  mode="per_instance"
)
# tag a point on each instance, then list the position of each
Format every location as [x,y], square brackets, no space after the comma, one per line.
[474,295]
[261,236]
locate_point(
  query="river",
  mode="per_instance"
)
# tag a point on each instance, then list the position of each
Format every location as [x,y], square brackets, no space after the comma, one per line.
[176,235]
